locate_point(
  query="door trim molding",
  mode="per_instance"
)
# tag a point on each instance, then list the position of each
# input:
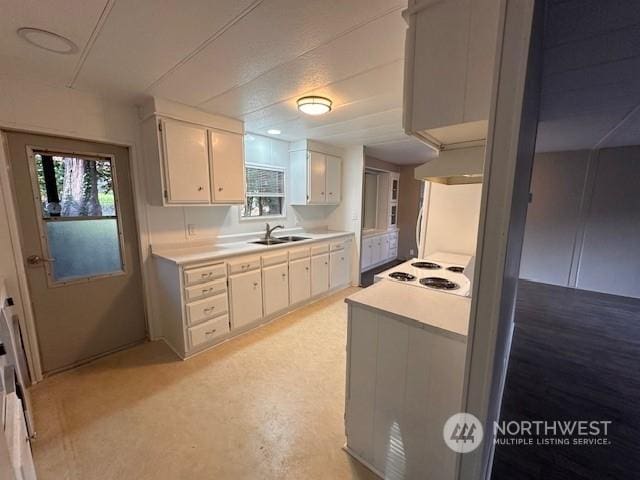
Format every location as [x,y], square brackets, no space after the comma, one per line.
[27,319]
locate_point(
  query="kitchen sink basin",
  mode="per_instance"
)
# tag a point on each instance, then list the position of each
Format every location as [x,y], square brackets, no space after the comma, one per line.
[292,238]
[270,241]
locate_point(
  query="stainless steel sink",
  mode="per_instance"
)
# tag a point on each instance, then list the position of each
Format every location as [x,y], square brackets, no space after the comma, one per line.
[270,241]
[292,238]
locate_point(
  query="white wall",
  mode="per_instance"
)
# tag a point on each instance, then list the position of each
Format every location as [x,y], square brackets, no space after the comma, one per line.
[583,224]
[453,216]
[168,225]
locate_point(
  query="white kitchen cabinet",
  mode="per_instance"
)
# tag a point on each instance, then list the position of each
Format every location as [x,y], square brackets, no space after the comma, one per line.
[394,187]
[186,162]
[378,249]
[319,274]
[275,286]
[227,167]
[334,179]
[315,175]
[245,297]
[450,55]
[205,303]
[191,157]
[339,267]
[317,178]
[299,280]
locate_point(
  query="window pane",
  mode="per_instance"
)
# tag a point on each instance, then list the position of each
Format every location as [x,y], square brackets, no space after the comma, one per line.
[84,248]
[264,181]
[262,206]
[75,187]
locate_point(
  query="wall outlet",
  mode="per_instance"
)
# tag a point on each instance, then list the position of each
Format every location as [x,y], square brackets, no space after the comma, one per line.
[191,229]
[412,252]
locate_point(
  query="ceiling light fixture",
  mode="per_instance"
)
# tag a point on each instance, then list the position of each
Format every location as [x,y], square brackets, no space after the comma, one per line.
[46,40]
[313,105]
[274,131]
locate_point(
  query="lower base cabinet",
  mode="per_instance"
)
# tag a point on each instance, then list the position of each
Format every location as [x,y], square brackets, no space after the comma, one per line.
[299,280]
[319,274]
[275,286]
[245,298]
[339,268]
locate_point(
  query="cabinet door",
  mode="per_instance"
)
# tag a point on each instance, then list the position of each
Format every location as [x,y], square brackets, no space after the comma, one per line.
[339,268]
[227,167]
[299,280]
[440,64]
[246,298]
[186,163]
[367,253]
[317,178]
[378,250]
[275,281]
[319,274]
[395,184]
[334,179]
[393,215]
[386,250]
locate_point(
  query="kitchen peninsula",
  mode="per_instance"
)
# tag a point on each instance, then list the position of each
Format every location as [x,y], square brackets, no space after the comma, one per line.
[406,350]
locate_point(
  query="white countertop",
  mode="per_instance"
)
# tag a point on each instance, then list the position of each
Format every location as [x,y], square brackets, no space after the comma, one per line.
[448,314]
[195,254]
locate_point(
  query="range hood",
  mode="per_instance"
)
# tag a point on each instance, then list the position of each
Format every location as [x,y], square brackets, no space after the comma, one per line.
[457,166]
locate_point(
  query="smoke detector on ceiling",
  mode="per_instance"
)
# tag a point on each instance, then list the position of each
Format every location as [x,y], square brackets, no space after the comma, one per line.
[46,40]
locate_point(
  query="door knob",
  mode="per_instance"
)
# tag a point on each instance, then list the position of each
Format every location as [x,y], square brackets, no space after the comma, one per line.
[37,259]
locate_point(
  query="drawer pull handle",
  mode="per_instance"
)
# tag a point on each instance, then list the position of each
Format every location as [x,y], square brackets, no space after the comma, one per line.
[306,268]
[255,284]
[207,290]
[209,310]
[210,332]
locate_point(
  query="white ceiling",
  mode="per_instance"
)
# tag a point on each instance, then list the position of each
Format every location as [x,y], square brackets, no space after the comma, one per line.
[590,91]
[248,59]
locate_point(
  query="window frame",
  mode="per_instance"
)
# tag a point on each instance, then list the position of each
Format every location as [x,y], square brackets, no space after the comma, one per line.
[275,168]
[32,151]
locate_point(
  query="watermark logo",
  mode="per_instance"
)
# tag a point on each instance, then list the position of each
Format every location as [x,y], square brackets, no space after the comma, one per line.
[463,432]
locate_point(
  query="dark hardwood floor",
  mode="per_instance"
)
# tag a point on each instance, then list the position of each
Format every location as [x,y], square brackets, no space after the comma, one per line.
[575,356]
[366,278]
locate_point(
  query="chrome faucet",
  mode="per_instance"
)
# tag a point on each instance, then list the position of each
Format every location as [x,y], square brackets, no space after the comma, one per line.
[269,231]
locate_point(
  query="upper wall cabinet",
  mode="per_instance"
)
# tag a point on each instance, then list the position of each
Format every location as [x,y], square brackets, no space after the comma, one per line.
[192,158]
[315,174]
[449,63]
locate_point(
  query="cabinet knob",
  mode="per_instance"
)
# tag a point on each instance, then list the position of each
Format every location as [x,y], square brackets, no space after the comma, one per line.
[321,193]
[284,275]
[306,268]
[200,189]
[220,189]
[255,284]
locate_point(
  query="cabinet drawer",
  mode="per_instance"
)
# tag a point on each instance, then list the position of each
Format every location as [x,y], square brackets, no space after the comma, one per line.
[205,290]
[208,331]
[338,245]
[207,308]
[274,259]
[244,264]
[298,253]
[319,249]
[203,274]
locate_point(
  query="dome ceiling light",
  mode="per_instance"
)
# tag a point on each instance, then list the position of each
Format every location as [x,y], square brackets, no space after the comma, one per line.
[313,105]
[46,40]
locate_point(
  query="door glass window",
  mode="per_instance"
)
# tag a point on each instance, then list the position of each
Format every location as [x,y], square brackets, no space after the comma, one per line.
[79,215]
